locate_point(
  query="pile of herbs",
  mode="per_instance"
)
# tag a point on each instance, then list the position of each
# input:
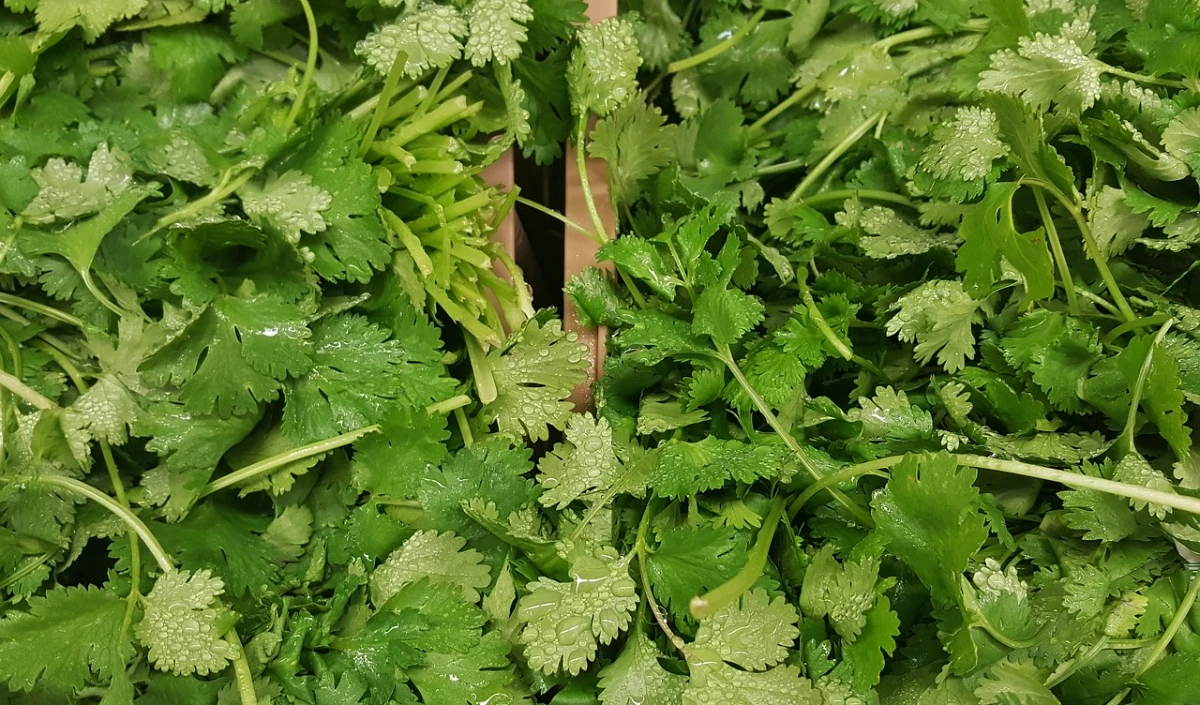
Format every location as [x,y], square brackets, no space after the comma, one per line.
[904,353]
[254,342]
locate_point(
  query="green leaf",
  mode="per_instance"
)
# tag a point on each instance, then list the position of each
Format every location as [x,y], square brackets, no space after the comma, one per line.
[79,626]
[713,680]
[438,557]
[887,236]
[1167,37]
[92,18]
[682,469]
[690,561]
[753,632]
[725,315]
[180,625]
[481,675]
[1182,136]
[843,591]
[603,71]
[642,259]
[583,465]
[938,316]
[931,514]
[1057,351]
[1171,681]
[636,143]
[636,677]
[497,30]
[430,37]
[1047,70]
[1014,683]
[536,370]
[566,622]
[991,240]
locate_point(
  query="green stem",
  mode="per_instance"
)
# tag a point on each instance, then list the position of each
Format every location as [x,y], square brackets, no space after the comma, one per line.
[720,48]
[1139,386]
[557,216]
[385,99]
[1141,78]
[822,325]
[1181,615]
[24,391]
[263,467]
[1059,258]
[1089,242]
[94,289]
[464,427]
[481,370]
[1147,322]
[310,66]
[726,356]
[639,547]
[1069,669]
[711,602]
[837,196]
[47,311]
[581,164]
[25,570]
[241,667]
[836,153]
[219,193]
[869,468]
[123,513]
[797,95]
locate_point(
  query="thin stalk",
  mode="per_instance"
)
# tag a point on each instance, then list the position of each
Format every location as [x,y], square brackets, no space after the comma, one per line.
[219,193]
[869,468]
[837,196]
[1060,259]
[262,467]
[797,95]
[481,370]
[464,427]
[581,163]
[836,153]
[1138,493]
[639,547]
[1074,665]
[25,570]
[449,405]
[1099,301]
[1089,242]
[241,665]
[720,48]
[822,325]
[94,289]
[47,311]
[726,356]
[14,351]
[1139,386]
[557,216]
[310,66]
[25,392]
[711,602]
[1147,322]
[385,99]
[1142,78]
[1181,615]
[123,513]
[922,33]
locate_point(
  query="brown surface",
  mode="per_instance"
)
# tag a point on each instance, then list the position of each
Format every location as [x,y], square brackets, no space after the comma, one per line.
[579,252]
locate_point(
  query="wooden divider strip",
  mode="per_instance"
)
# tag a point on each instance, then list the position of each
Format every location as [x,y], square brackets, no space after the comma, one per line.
[579,252]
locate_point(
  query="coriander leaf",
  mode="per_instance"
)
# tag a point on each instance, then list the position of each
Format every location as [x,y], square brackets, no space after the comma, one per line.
[106,410]
[1115,225]
[1167,38]
[713,680]
[180,625]
[583,464]
[887,235]
[1170,681]
[566,622]
[1101,516]
[438,557]
[938,316]
[55,16]
[930,512]
[430,37]
[991,240]
[227,541]
[690,561]
[635,677]
[642,259]
[966,147]
[753,632]
[359,369]
[725,315]
[536,370]
[554,22]
[65,194]
[482,674]
[1134,470]
[497,30]
[1182,137]
[289,204]
[866,655]
[1014,682]
[636,143]
[1047,70]
[234,355]
[80,626]
[603,70]
[683,469]
[1057,351]
[843,591]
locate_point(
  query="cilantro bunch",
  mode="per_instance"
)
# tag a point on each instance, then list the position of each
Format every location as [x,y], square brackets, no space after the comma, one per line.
[260,357]
[898,399]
